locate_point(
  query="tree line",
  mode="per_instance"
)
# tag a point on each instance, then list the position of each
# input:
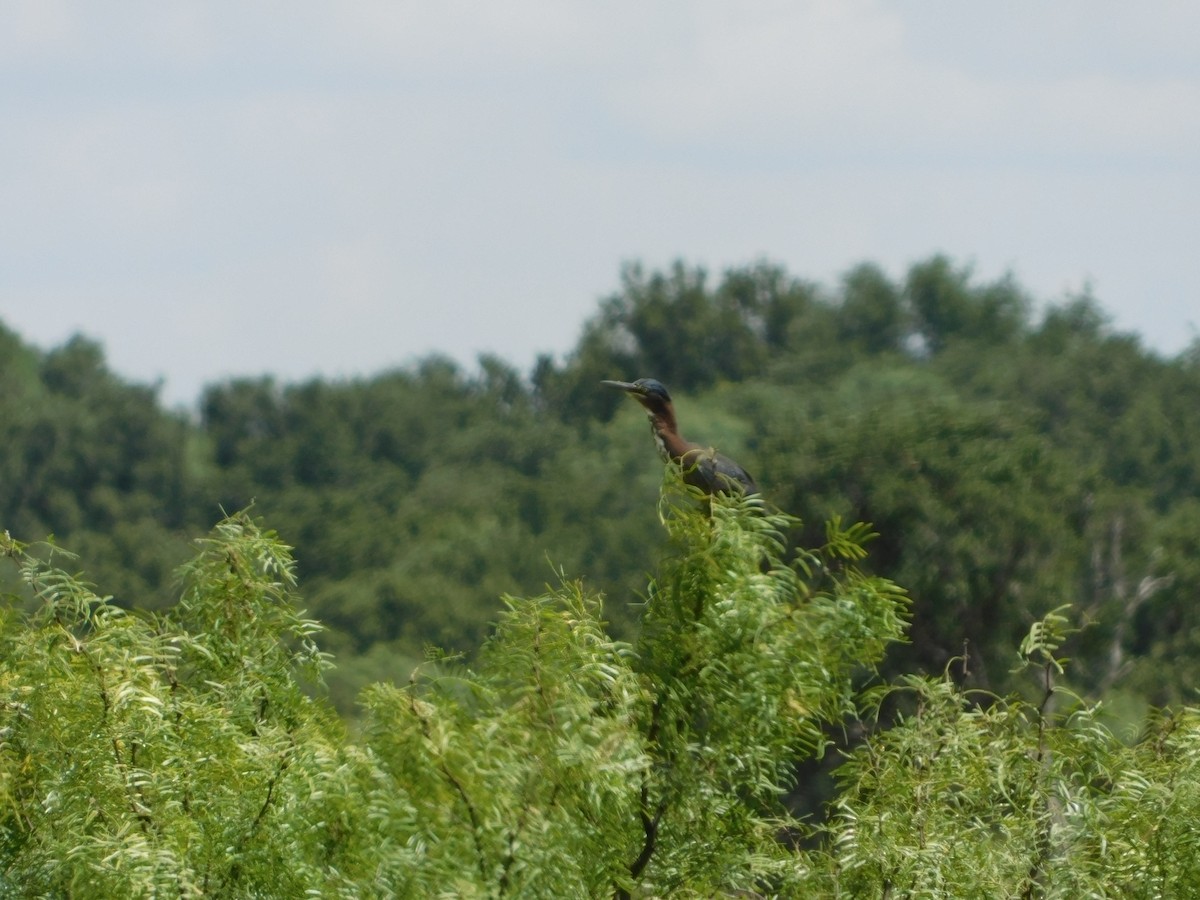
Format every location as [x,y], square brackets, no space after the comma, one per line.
[633,694]
[1011,459]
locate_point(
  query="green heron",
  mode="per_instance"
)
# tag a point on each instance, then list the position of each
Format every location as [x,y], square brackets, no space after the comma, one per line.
[703,467]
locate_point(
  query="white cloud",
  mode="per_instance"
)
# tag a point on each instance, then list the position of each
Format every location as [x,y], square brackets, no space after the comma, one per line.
[35,28]
[219,188]
[844,80]
[454,36]
[757,66]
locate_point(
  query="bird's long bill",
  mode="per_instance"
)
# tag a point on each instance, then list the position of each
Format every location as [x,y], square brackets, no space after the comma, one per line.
[626,386]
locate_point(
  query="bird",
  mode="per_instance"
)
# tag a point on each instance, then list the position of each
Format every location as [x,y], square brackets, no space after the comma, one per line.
[703,467]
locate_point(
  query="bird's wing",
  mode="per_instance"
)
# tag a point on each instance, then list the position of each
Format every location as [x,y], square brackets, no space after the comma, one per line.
[715,473]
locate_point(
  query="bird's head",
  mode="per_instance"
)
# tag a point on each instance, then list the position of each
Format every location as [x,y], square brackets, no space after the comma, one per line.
[649,393]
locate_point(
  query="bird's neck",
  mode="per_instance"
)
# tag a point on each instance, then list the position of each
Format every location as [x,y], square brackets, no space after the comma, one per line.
[666,435]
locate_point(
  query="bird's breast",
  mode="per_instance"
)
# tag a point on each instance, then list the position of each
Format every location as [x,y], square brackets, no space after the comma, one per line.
[661,445]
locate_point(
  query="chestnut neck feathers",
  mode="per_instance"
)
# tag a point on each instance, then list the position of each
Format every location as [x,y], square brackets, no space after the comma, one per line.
[671,444]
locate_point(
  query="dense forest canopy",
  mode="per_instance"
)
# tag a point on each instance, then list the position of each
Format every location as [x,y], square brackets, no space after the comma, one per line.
[184,753]
[1011,459]
[996,676]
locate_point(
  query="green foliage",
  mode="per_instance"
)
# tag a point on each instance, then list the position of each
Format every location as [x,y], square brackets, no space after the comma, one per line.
[143,755]
[947,308]
[1007,459]
[1010,799]
[140,758]
[745,660]
[182,753]
[1010,464]
[512,776]
[87,457]
[872,317]
[969,502]
[569,764]
[674,326]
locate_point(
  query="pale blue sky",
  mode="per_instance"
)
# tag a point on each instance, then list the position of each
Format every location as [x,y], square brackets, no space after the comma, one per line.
[227,188]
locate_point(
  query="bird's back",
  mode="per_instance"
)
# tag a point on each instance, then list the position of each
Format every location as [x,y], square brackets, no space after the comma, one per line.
[715,473]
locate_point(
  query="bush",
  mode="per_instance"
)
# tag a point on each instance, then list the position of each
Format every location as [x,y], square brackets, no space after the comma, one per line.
[186,753]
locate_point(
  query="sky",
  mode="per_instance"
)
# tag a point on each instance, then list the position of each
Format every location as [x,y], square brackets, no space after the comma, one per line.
[218,189]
